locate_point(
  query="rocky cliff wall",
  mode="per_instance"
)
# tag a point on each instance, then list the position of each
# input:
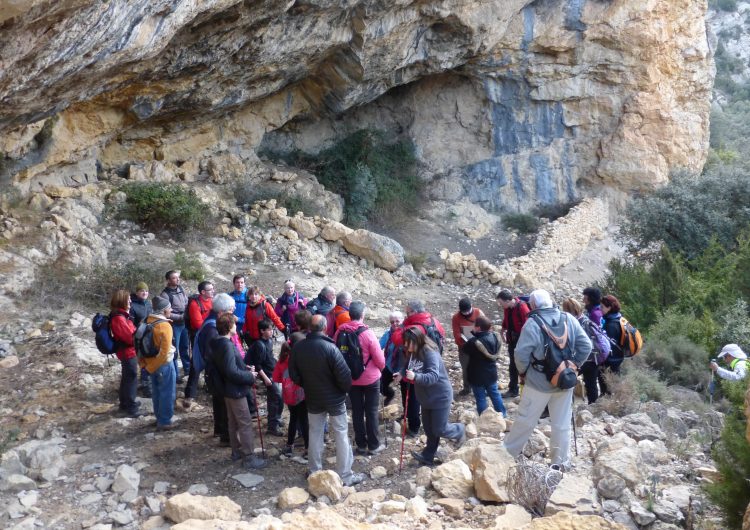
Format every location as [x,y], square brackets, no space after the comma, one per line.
[510,102]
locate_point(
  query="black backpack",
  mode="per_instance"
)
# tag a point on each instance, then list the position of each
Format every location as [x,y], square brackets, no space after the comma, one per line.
[348,343]
[143,339]
[557,364]
[432,332]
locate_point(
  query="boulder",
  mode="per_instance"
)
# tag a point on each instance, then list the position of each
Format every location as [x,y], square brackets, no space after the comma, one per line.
[43,458]
[334,231]
[416,508]
[640,427]
[453,479]
[574,494]
[424,476]
[292,497]
[618,456]
[491,464]
[378,472]
[391,507]
[8,362]
[219,524]
[304,228]
[565,520]
[491,422]
[514,517]
[186,506]
[641,515]
[383,251]
[15,483]
[611,487]
[654,452]
[325,482]
[668,512]
[126,479]
[365,498]
[452,507]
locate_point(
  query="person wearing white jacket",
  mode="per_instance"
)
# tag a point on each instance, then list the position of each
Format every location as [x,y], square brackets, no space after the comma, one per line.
[737,361]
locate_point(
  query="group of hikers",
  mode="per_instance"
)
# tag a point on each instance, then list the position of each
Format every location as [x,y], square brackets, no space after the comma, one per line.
[329,357]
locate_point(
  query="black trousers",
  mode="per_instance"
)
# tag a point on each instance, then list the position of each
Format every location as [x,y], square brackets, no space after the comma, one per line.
[386,378]
[221,421]
[512,370]
[590,372]
[298,422]
[129,385]
[365,401]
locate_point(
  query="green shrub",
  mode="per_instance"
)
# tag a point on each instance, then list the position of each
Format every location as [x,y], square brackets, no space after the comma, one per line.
[190,266]
[247,193]
[417,261]
[165,207]
[732,457]
[376,177]
[678,360]
[636,384]
[521,222]
[90,289]
[689,212]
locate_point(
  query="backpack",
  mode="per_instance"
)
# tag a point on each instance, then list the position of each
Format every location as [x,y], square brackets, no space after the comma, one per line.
[105,342]
[291,393]
[432,332]
[143,340]
[348,343]
[631,340]
[599,340]
[198,360]
[557,364]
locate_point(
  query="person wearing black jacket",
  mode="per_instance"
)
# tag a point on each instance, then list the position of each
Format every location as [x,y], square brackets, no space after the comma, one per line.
[483,350]
[260,357]
[319,368]
[233,381]
[323,303]
[140,308]
[613,328]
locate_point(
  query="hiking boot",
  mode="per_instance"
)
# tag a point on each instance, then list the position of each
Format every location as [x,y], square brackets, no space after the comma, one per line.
[419,457]
[163,428]
[253,462]
[360,451]
[379,449]
[275,431]
[412,434]
[465,391]
[224,443]
[135,414]
[236,455]
[355,478]
[180,380]
[287,450]
[510,394]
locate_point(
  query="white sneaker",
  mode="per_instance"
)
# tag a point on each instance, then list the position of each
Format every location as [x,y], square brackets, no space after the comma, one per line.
[355,478]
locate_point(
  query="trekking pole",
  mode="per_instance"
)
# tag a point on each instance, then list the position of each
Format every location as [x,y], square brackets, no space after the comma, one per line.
[385,431]
[711,387]
[257,415]
[573,421]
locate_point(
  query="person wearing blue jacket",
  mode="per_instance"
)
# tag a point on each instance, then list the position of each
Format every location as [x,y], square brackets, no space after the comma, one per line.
[433,389]
[240,299]
[391,357]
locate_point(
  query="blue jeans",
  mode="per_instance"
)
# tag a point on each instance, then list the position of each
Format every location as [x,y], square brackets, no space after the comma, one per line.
[480,394]
[181,344]
[163,382]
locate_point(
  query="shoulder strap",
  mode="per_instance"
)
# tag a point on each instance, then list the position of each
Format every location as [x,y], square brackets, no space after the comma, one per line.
[560,341]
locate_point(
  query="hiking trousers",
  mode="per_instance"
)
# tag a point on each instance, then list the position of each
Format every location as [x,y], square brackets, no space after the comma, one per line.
[512,370]
[590,372]
[240,426]
[340,428]
[436,426]
[365,400]
[129,385]
[532,404]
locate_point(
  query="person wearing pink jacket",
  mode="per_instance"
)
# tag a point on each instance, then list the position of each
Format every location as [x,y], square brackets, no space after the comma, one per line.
[365,391]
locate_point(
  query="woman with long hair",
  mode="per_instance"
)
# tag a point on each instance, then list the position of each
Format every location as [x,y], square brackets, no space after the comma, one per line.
[122,328]
[425,368]
[613,329]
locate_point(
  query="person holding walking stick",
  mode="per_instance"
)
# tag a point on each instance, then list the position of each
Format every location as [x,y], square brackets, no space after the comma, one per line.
[433,389]
[234,381]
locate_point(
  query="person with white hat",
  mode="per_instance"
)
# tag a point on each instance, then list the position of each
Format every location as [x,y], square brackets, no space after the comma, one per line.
[737,361]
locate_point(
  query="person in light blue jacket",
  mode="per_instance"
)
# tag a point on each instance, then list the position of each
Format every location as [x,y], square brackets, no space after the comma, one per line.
[433,390]
[538,392]
[392,355]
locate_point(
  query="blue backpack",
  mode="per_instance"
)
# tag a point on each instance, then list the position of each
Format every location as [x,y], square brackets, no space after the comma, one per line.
[105,342]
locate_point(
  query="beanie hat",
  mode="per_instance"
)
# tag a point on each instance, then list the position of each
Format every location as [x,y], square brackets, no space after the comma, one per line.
[733,350]
[141,286]
[464,305]
[160,304]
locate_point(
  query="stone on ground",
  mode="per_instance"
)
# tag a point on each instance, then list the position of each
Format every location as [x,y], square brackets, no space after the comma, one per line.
[126,479]
[574,494]
[515,516]
[453,480]
[325,483]
[491,464]
[292,497]
[452,507]
[186,506]
[491,422]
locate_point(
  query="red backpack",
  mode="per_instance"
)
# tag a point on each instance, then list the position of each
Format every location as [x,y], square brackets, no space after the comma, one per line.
[291,393]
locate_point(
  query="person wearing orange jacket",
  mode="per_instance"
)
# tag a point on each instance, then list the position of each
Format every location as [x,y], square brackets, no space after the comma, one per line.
[463,325]
[122,329]
[339,314]
[258,309]
[160,367]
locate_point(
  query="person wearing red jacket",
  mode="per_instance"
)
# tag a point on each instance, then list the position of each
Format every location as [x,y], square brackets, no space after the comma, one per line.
[463,325]
[515,314]
[122,329]
[199,309]
[258,309]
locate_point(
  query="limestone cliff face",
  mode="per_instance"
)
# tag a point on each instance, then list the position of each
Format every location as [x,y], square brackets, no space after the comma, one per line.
[511,102]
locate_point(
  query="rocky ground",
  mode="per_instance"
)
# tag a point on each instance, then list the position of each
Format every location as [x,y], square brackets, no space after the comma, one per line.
[69,461]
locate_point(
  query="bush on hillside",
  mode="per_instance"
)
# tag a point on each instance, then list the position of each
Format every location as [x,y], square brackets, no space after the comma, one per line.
[636,384]
[190,266]
[170,207]
[524,223]
[732,457]
[247,192]
[689,212]
[376,177]
[678,360]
